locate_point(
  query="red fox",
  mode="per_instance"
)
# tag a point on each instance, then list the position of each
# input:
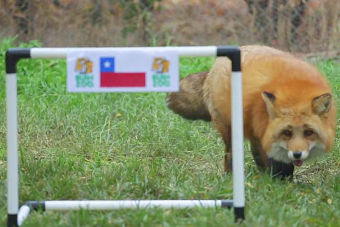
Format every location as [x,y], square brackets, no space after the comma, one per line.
[289,112]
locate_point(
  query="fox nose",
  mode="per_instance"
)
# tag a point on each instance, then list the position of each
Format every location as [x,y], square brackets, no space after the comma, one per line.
[297,154]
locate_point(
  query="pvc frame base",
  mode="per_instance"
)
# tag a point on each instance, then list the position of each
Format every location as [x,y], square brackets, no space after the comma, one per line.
[71,205]
[13,56]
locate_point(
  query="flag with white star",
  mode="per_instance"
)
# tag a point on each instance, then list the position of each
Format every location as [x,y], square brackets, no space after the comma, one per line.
[110,78]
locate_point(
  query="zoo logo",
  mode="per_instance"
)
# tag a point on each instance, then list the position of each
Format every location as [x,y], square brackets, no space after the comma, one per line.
[84,68]
[161,78]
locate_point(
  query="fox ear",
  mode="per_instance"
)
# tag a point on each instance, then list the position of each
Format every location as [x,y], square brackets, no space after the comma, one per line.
[269,100]
[322,104]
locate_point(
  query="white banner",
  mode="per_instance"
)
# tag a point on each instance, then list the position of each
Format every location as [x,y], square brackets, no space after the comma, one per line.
[122,71]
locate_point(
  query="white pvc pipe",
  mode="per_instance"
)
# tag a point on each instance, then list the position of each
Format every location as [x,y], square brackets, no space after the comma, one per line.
[12,144]
[237,139]
[182,51]
[121,204]
[23,213]
[12,147]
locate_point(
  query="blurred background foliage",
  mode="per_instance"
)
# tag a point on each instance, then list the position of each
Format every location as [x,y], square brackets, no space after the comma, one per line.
[296,25]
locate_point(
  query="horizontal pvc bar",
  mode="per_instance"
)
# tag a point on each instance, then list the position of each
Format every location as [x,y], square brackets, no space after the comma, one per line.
[124,204]
[182,51]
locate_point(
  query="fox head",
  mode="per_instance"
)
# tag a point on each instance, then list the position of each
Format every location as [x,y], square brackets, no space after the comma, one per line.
[298,127]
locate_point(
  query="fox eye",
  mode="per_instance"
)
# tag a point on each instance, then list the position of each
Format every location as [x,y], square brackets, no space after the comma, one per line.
[308,132]
[287,133]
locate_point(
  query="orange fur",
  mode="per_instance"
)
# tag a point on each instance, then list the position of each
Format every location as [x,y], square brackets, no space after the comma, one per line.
[298,99]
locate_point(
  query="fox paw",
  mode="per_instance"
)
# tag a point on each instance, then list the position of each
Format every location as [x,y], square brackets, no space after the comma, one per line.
[280,170]
[228,163]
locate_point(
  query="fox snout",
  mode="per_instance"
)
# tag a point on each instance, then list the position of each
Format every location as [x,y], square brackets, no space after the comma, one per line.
[297,154]
[284,151]
[298,148]
[298,157]
[281,152]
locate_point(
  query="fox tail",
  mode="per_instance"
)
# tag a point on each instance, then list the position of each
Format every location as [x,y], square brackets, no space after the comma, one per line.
[189,102]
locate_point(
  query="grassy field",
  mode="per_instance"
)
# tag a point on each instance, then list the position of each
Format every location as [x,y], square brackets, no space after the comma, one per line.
[130,146]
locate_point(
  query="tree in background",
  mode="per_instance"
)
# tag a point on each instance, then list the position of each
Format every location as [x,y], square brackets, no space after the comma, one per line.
[138,15]
[266,13]
[21,17]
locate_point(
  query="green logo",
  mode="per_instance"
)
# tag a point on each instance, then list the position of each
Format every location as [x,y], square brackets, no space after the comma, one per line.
[84,80]
[161,80]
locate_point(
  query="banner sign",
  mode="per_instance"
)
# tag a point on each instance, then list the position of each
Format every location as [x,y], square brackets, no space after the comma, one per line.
[92,70]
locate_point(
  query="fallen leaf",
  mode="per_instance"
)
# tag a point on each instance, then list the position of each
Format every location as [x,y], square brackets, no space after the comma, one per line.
[329,201]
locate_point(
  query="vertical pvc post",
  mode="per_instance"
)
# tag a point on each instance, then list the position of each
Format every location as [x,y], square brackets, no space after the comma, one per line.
[12,58]
[234,54]
[12,149]
[237,145]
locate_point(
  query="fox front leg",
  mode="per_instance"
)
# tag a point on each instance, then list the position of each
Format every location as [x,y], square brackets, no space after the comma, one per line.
[225,132]
[277,169]
[228,159]
[259,155]
[280,170]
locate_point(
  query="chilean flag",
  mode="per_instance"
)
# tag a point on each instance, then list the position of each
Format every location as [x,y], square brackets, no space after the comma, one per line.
[110,78]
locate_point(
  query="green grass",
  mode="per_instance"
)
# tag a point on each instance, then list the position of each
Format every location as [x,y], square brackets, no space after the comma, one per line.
[130,146]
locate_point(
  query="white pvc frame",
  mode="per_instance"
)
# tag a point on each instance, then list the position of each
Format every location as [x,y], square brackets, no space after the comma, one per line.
[12,145]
